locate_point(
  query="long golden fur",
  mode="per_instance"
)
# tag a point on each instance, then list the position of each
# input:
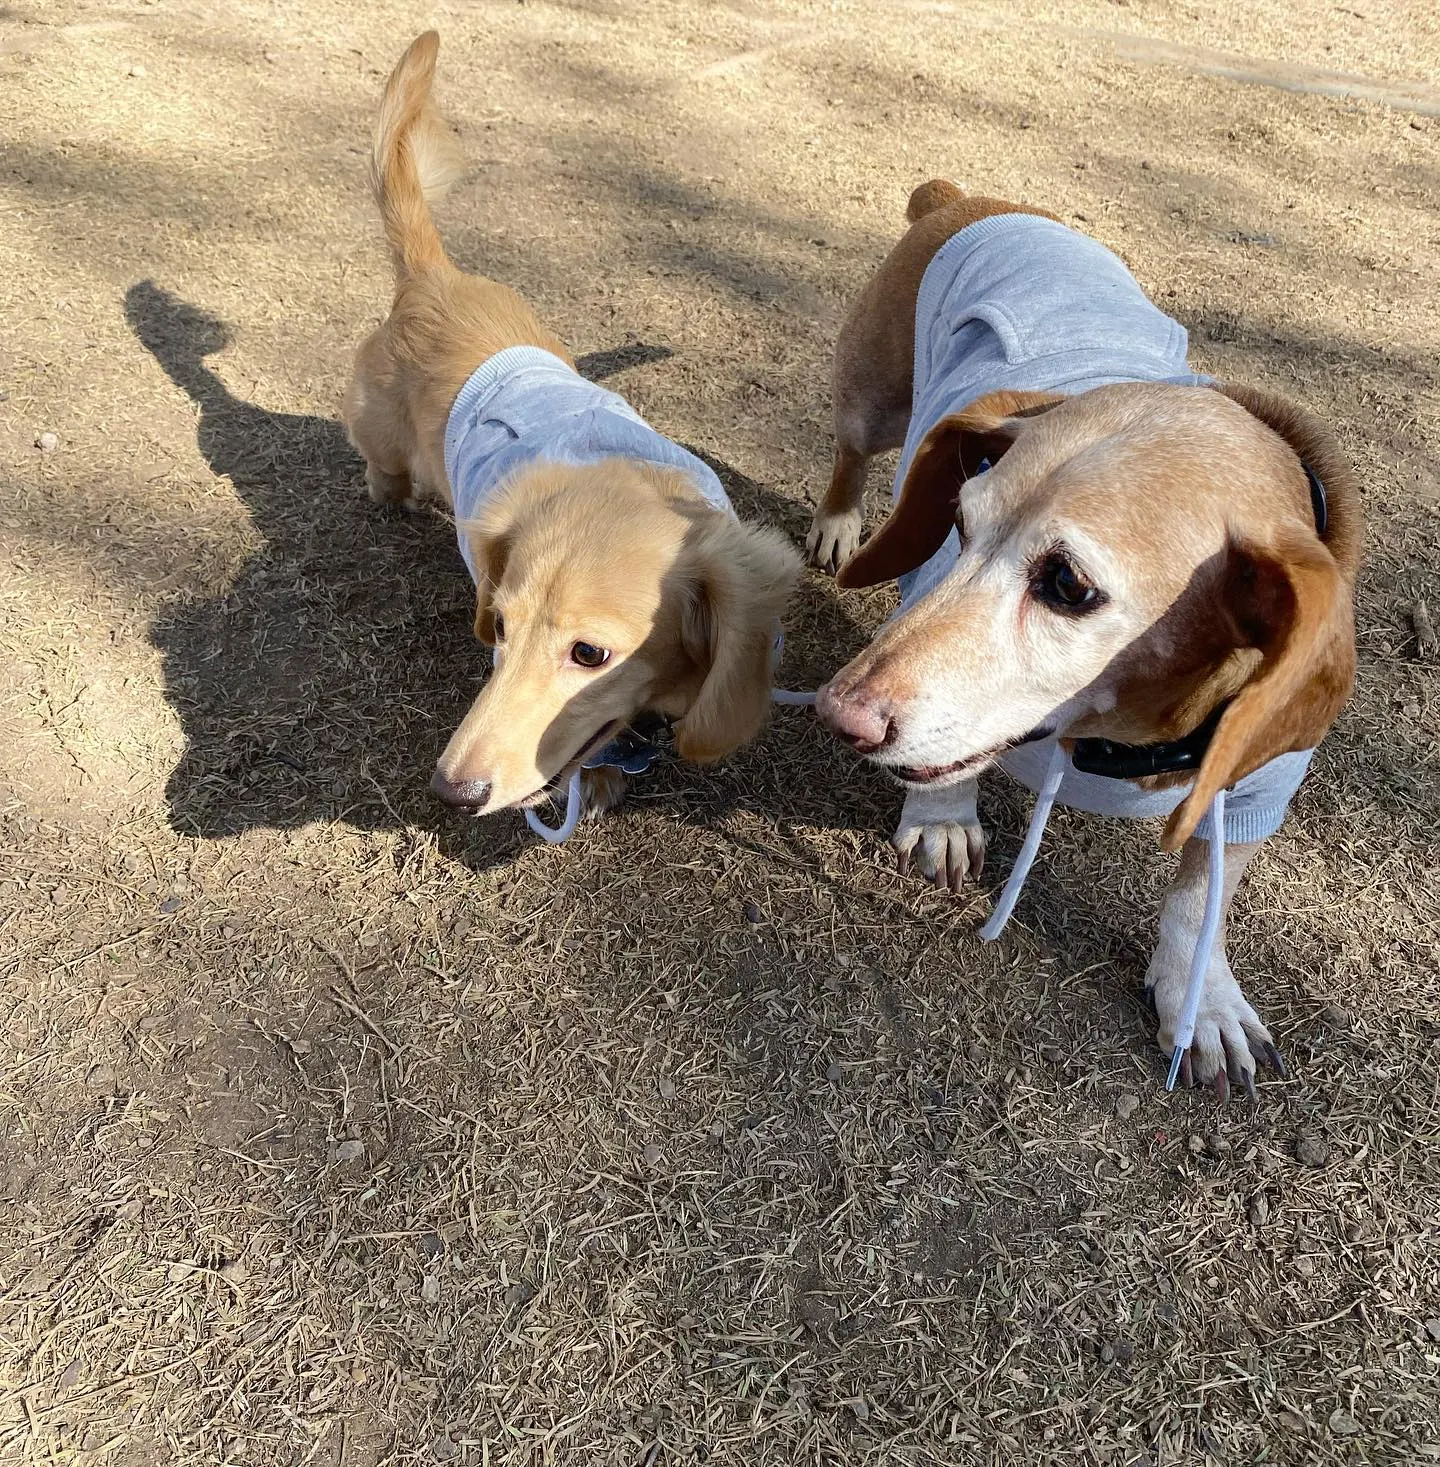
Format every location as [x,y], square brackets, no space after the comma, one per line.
[618,555]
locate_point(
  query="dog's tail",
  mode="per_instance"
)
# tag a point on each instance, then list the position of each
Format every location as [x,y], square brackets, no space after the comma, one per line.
[414,161]
[931,196]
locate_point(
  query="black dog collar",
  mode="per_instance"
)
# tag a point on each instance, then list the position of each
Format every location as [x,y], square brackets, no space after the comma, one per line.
[1137,761]
[1178,756]
[1318,503]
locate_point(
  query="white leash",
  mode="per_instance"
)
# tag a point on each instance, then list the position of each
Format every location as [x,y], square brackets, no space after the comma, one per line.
[1209,923]
[1044,803]
[1205,943]
[554,834]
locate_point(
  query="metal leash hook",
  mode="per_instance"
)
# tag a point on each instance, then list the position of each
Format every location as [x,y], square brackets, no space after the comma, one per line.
[635,750]
[631,751]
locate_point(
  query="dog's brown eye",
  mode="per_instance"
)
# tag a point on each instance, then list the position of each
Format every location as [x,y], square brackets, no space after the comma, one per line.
[1061,587]
[587,655]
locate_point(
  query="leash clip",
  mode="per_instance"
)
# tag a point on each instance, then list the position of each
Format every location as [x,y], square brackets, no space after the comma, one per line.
[635,750]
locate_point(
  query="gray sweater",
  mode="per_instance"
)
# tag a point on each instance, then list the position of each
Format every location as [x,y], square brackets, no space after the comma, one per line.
[524,404]
[1023,303]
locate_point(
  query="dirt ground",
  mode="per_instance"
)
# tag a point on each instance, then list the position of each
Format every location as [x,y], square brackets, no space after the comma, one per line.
[337,1130]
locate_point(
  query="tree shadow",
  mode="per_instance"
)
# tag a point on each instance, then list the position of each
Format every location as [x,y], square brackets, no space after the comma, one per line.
[321,685]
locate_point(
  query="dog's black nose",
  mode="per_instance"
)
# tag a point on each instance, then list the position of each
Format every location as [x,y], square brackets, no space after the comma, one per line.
[468,794]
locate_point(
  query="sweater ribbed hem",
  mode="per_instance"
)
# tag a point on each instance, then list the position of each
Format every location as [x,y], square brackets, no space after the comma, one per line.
[1245,826]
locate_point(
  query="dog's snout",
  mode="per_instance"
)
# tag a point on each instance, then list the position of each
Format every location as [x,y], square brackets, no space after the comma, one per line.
[466,794]
[865,725]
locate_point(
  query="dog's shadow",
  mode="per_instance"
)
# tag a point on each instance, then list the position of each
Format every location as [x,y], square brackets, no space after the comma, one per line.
[322,683]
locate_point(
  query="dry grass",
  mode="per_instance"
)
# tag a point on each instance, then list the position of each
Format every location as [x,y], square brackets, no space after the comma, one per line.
[339,1132]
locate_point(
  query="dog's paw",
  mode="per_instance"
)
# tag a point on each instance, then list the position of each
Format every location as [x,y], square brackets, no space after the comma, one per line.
[601,790]
[833,539]
[1229,1034]
[940,836]
[389,488]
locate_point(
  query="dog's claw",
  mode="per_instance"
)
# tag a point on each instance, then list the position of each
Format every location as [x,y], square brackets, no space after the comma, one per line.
[1250,1085]
[1187,1073]
[1222,1086]
[1148,994]
[1272,1058]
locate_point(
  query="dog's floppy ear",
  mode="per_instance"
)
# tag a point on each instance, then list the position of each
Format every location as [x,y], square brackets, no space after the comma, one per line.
[1292,601]
[1322,459]
[490,549]
[950,453]
[742,577]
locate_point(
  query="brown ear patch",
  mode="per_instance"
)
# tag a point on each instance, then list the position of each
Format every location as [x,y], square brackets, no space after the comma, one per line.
[951,452]
[1315,446]
[1292,601]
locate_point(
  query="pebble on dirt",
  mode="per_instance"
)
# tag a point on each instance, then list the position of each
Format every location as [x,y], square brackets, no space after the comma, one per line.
[1312,1150]
[1342,1423]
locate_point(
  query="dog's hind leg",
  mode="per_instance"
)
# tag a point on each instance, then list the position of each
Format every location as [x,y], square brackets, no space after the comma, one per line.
[870,417]
[387,488]
[873,372]
[375,419]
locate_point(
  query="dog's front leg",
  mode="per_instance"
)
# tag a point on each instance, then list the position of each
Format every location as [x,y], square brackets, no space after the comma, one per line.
[1228,1032]
[939,833]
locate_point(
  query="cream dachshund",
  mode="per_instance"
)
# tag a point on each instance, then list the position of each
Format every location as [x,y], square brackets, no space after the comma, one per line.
[1096,548]
[610,570]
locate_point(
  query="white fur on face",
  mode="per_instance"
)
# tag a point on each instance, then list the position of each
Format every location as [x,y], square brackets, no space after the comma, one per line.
[987,664]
